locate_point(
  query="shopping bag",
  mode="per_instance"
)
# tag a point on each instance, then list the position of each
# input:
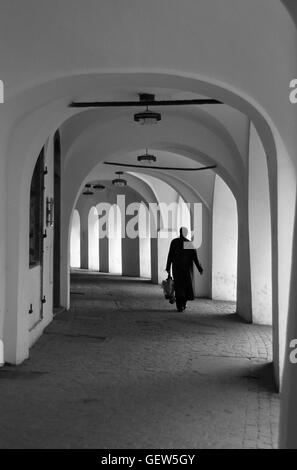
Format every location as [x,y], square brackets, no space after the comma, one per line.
[168,289]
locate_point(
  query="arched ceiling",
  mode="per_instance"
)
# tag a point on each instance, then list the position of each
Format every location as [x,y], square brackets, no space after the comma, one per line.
[115,139]
[210,48]
[182,133]
[226,122]
[191,185]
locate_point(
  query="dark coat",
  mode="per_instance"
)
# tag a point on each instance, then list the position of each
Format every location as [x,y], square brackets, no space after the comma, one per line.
[182,261]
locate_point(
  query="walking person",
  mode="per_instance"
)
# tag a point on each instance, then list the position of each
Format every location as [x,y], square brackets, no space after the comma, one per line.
[182,259]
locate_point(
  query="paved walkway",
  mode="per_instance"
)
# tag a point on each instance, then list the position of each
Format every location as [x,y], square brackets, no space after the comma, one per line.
[123,369]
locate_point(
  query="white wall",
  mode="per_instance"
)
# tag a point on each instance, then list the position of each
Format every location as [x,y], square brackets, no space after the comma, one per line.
[145,257]
[145,266]
[93,240]
[115,240]
[259,231]
[224,243]
[75,258]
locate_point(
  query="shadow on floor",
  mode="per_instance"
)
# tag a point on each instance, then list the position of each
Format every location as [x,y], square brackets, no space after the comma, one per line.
[264,375]
[93,277]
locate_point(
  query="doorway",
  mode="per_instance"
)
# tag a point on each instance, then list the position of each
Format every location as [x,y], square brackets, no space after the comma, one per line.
[57,222]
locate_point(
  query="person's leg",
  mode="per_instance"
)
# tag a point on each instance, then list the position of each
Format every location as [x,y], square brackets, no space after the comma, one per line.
[179,304]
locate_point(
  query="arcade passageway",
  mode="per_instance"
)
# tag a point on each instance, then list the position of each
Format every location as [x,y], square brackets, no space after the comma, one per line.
[123,369]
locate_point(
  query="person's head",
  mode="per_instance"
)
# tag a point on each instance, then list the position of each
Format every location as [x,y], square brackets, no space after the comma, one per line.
[183,232]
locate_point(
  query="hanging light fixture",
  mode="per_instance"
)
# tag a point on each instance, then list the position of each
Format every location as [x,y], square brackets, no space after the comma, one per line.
[87,191]
[98,186]
[120,182]
[147,116]
[147,157]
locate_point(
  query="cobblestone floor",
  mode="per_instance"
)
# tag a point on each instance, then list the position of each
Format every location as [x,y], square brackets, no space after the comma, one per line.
[123,369]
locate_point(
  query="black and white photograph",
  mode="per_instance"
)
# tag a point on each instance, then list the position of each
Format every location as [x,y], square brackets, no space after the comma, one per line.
[148,230]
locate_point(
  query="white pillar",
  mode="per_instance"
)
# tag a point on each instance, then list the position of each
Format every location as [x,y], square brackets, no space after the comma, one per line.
[259,231]
[224,243]
[2,243]
[115,240]
[288,355]
[75,241]
[93,239]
